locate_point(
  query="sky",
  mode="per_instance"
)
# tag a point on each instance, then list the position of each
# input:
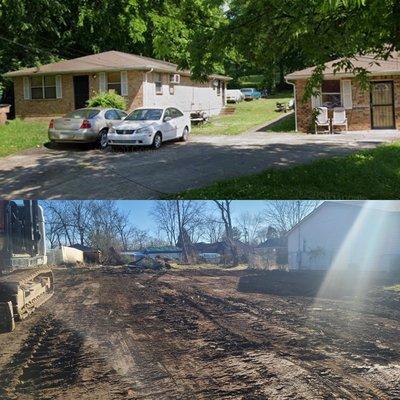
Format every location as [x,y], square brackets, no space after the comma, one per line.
[139,210]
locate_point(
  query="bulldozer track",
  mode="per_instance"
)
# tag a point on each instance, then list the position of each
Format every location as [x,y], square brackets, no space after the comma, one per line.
[52,358]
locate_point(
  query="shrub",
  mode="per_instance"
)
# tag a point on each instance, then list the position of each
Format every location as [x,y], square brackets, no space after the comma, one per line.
[108,100]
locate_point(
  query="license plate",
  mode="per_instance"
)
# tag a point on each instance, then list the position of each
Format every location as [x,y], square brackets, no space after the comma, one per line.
[65,135]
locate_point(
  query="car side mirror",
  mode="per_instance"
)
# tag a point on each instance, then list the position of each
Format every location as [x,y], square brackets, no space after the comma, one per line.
[167,119]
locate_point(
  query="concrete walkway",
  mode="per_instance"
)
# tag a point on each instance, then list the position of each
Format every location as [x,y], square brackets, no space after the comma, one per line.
[76,173]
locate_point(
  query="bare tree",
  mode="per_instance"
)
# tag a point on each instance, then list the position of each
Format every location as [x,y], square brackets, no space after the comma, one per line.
[179,219]
[99,224]
[109,226]
[139,238]
[54,229]
[224,207]
[250,226]
[60,221]
[283,215]
[164,215]
[213,229]
[267,232]
[80,212]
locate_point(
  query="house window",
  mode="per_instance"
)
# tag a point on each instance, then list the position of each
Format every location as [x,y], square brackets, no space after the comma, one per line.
[114,82]
[330,93]
[43,87]
[158,82]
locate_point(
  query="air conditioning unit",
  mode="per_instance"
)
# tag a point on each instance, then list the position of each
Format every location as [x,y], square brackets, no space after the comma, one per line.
[175,79]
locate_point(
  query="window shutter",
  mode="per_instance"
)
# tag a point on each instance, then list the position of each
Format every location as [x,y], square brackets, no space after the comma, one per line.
[347,97]
[124,83]
[58,87]
[102,82]
[27,88]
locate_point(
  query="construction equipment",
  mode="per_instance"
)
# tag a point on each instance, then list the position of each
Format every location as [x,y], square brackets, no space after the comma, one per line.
[25,281]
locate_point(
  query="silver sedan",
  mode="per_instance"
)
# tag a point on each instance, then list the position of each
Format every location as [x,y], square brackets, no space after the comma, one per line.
[86,125]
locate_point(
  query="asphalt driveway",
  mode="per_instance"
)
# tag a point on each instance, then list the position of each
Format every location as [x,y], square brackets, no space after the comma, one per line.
[76,173]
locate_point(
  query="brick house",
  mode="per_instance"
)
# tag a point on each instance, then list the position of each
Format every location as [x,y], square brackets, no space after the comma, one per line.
[58,88]
[378,107]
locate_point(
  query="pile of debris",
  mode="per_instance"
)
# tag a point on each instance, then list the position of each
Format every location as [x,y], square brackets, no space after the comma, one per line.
[156,264]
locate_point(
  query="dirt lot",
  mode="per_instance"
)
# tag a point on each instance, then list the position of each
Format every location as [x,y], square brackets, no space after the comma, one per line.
[111,334]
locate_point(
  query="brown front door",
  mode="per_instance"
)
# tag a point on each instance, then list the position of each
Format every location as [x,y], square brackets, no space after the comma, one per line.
[382,105]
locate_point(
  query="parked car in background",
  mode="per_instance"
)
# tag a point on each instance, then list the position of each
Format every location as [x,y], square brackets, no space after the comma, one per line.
[251,94]
[234,96]
[86,125]
[150,127]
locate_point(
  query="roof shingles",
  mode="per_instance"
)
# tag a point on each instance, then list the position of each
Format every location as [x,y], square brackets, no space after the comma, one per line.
[107,61]
[373,65]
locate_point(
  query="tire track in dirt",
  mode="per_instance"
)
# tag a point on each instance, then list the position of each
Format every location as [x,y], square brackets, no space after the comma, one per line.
[52,360]
[325,373]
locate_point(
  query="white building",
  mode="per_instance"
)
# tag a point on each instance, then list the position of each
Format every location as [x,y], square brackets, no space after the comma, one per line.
[347,234]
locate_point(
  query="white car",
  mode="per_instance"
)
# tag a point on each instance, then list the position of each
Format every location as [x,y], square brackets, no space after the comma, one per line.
[150,127]
[234,96]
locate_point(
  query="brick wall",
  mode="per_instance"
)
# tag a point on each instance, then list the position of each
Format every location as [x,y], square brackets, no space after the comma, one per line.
[303,108]
[359,117]
[44,108]
[47,108]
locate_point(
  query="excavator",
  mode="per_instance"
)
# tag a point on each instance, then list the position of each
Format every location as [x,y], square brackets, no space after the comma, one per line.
[25,281]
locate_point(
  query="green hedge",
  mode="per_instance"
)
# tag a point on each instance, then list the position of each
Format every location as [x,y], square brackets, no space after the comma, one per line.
[108,100]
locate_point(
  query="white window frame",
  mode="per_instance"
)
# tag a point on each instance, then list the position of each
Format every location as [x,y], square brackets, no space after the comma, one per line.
[108,83]
[158,83]
[43,87]
[340,94]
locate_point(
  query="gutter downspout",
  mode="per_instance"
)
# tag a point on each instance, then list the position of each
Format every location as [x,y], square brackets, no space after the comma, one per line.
[295,102]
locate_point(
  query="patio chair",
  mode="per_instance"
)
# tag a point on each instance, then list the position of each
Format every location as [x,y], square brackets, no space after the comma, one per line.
[322,119]
[339,118]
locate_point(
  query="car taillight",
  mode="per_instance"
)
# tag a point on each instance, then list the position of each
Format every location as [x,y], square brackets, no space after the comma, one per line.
[51,124]
[86,124]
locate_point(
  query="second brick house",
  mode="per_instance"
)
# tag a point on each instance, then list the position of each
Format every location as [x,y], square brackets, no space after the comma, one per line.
[377,107]
[58,88]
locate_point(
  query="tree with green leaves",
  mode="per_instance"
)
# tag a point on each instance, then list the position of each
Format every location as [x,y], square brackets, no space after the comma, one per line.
[43,31]
[285,35]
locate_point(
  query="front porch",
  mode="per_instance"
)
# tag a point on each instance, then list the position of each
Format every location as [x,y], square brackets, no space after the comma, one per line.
[374,108]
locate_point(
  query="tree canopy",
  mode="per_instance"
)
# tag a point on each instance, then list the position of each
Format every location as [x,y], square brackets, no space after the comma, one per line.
[271,37]
[42,31]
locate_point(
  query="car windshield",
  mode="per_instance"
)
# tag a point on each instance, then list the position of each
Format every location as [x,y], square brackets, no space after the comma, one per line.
[247,90]
[86,113]
[145,114]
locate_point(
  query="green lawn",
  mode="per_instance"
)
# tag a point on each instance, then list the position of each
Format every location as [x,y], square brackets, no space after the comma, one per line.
[248,115]
[368,174]
[251,81]
[285,125]
[19,135]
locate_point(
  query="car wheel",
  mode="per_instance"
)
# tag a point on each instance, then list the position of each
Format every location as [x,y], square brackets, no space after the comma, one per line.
[102,140]
[185,135]
[157,141]
[53,144]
